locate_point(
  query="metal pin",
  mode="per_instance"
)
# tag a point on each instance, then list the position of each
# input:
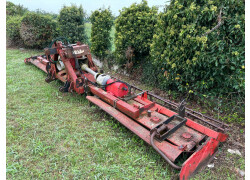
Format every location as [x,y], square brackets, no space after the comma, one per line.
[149,113]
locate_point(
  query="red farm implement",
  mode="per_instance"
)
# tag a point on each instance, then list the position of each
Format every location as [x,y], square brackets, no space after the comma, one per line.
[163,124]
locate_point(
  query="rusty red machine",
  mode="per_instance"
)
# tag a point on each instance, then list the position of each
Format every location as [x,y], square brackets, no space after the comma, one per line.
[186,144]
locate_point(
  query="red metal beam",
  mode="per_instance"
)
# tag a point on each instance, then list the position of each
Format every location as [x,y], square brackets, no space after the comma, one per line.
[171,151]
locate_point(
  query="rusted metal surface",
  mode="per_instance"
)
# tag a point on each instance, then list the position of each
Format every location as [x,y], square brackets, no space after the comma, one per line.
[151,122]
[189,112]
[171,151]
[161,123]
[146,121]
[77,50]
[62,76]
[187,135]
[110,99]
[154,119]
[38,62]
[199,159]
[200,128]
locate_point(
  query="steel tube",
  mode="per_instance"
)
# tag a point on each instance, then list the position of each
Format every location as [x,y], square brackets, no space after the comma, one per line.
[163,155]
[86,68]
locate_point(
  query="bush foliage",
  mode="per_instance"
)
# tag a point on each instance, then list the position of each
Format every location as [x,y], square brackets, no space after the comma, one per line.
[13,29]
[193,46]
[102,21]
[188,57]
[71,23]
[37,30]
[15,10]
[134,28]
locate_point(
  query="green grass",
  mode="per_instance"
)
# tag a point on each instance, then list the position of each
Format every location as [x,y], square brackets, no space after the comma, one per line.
[54,135]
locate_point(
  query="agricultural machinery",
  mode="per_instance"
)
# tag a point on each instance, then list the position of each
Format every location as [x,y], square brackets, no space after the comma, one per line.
[186,139]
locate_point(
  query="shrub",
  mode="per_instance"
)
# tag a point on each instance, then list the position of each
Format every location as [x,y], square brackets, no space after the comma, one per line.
[52,15]
[71,23]
[13,29]
[37,30]
[100,32]
[188,57]
[134,28]
[15,10]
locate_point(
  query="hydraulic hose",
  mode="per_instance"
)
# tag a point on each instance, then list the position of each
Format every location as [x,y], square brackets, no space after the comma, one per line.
[51,44]
[59,39]
[161,153]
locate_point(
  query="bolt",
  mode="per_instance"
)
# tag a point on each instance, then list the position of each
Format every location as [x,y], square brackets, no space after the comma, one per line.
[155,119]
[149,113]
[181,147]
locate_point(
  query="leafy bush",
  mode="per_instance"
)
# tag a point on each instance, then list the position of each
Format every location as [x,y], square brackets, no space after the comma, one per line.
[37,30]
[100,32]
[188,57]
[13,29]
[15,10]
[52,15]
[71,23]
[134,28]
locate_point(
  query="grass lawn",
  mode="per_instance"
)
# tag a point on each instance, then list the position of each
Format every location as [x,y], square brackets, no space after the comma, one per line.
[54,135]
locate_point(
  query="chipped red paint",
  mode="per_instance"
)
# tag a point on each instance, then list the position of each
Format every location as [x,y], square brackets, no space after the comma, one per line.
[155,119]
[187,135]
[37,62]
[114,101]
[199,159]
[202,129]
[167,148]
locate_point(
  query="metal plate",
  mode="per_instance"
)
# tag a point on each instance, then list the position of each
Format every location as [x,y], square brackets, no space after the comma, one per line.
[175,138]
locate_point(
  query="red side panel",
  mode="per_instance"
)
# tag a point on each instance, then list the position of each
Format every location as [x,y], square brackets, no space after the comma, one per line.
[199,159]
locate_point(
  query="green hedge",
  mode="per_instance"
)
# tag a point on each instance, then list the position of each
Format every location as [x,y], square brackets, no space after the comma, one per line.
[134,28]
[102,21]
[13,25]
[15,10]
[185,56]
[71,23]
[37,30]
[188,58]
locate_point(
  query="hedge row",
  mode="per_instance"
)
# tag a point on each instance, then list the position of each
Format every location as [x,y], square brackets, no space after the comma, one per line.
[102,21]
[134,28]
[71,23]
[193,46]
[37,29]
[187,56]
[15,10]
[13,29]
